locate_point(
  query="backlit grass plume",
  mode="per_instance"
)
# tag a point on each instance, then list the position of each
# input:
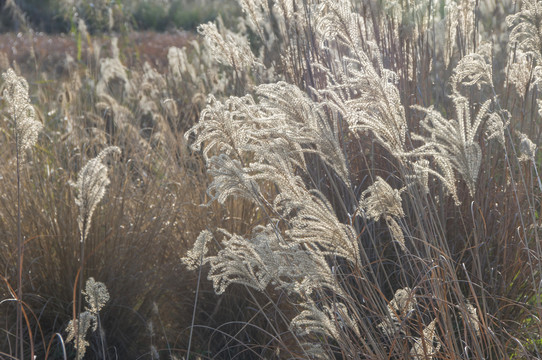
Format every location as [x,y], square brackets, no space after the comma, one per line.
[381,201]
[97,296]
[311,150]
[91,184]
[21,111]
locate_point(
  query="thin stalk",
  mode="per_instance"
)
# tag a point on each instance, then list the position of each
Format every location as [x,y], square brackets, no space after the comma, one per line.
[102,342]
[79,294]
[194,311]
[20,248]
[164,332]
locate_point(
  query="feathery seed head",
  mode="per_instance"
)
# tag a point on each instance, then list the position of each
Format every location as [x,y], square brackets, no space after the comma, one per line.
[526,147]
[474,69]
[381,199]
[112,69]
[471,315]
[520,72]
[82,28]
[472,161]
[91,183]
[194,257]
[229,49]
[312,320]
[77,331]
[427,346]
[230,178]
[453,142]
[496,125]
[403,301]
[420,174]
[21,111]
[178,64]
[396,232]
[400,307]
[256,11]
[526,34]
[150,328]
[96,295]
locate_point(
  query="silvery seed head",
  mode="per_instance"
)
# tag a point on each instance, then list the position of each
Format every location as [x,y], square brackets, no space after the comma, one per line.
[526,147]
[96,295]
[91,184]
[77,331]
[21,111]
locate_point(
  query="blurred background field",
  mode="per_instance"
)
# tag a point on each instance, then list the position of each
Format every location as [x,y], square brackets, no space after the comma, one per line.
[56,16]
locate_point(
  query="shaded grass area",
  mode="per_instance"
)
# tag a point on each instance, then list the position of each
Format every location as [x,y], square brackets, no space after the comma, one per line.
[143,226]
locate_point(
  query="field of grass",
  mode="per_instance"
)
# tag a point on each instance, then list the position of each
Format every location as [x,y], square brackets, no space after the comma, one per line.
[317,179]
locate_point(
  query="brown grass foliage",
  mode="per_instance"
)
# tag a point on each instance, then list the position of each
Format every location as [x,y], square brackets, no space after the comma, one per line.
[353,204]
[145,223]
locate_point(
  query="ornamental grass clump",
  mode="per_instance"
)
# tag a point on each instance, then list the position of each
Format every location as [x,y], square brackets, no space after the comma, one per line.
[132,236]
[372,112]
[367,173]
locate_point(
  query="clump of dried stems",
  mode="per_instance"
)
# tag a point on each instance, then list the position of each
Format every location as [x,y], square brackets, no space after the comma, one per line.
[358,120]
[141,225]
[371,189]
